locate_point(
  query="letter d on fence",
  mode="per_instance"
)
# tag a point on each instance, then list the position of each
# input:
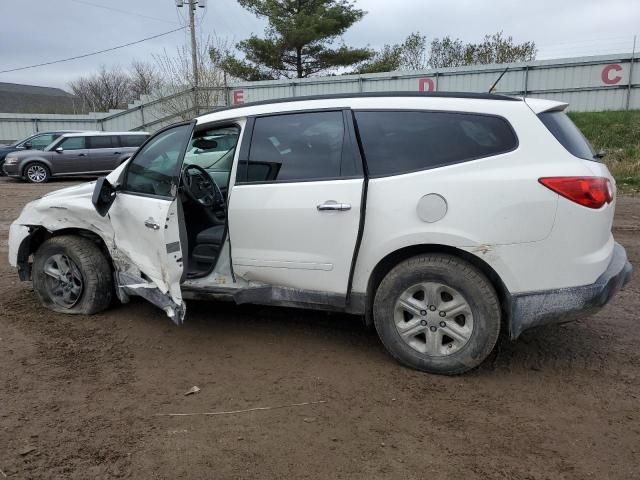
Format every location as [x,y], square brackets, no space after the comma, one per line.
[426,85]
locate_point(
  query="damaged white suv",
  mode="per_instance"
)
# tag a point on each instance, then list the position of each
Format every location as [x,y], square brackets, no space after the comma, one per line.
[442,218]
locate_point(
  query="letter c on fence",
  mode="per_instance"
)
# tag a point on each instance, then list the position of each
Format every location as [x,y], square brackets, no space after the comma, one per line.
[426,85]
[606,74]
[238,97]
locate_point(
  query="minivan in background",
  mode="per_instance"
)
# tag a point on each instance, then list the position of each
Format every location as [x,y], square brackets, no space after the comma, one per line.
[37,141]
[80,154]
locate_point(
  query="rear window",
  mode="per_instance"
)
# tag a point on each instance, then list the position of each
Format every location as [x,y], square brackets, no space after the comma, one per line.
[401,142]
[570,136]
[132,140]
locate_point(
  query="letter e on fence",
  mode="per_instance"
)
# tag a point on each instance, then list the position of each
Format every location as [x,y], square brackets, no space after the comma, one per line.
[610,78]
[238,97]
[426,85]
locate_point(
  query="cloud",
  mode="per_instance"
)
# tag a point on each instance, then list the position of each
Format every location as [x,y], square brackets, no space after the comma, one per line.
[43,30]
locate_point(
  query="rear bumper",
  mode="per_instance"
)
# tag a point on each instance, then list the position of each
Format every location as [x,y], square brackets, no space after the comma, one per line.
[530,310]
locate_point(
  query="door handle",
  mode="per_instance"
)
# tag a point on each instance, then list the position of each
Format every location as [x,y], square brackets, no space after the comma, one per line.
[82,154]
[151,223]
[332,205]
[116,153]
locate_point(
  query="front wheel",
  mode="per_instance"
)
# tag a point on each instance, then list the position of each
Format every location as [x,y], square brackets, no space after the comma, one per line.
[37,172]
[72,275]
[437,313]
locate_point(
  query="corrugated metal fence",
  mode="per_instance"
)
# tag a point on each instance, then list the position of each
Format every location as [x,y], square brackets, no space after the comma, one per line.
[607,82]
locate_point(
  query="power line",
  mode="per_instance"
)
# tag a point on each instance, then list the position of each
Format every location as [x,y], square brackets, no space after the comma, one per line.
[93,53]
[124,11]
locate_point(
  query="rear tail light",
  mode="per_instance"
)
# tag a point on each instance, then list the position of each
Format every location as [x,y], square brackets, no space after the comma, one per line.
[591,192]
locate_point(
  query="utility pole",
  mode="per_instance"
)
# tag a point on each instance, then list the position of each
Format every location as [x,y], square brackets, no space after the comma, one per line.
[633,62]
[192,4]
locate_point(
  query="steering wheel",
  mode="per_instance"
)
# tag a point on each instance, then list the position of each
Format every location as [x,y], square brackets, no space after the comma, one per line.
[201,188]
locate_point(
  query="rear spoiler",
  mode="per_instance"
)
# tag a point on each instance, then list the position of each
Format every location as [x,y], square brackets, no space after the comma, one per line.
[540,105]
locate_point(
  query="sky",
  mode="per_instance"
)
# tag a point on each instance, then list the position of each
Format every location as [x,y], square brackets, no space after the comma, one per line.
[36,31]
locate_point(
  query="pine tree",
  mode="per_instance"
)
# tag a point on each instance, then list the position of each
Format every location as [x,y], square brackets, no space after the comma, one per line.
[299,40]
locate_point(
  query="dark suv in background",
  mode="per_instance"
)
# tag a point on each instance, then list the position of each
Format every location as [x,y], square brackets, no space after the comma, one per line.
[81,154]
[37,141]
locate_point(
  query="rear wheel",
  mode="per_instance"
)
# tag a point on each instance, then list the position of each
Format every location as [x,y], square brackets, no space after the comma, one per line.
[36,172]
[72,275]
[437,313]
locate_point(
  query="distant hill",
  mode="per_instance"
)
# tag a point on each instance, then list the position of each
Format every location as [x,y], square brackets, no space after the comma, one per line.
[16,98]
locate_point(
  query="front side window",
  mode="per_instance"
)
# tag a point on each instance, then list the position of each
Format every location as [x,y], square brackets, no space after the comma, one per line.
[400,142]
[73,143]
[41,141]
[155,168]
[298,147]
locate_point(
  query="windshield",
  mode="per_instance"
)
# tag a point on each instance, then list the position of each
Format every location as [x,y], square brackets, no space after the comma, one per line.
[214,150]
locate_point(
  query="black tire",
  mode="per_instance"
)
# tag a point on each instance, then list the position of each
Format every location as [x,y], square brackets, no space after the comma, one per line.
[42,169]
[97,290]
[457,274]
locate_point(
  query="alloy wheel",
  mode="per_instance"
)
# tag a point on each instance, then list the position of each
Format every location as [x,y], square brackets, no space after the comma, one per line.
[64,282]
[36,173]
[433,319]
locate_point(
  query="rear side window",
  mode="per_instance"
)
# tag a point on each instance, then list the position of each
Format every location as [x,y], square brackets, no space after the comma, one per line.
[570,136]
[401,142]
[132,140]
[299,147]
[102,141]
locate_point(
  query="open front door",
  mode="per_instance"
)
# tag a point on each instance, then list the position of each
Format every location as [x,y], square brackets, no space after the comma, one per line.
[145,221]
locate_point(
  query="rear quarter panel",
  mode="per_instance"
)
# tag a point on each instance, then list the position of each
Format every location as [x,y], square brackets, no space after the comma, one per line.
[493,203]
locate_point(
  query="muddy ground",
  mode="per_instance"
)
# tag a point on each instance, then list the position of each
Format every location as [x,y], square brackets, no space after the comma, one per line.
[79,396]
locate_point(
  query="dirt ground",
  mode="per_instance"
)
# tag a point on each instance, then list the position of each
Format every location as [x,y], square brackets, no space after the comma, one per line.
[79,396]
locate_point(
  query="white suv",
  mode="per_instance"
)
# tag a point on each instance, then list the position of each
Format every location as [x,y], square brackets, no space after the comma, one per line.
[444,219]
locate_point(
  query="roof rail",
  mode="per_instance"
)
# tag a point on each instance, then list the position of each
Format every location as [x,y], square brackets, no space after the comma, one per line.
[469,95]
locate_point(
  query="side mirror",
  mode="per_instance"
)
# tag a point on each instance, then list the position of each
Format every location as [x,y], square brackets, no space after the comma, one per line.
[59,149]
[27,145]
[103,196]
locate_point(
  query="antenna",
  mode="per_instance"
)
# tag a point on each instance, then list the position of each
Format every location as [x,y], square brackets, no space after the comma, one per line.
[495,84]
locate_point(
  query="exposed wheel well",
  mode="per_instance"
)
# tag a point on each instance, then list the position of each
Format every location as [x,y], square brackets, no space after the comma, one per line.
[40,234]
[391,260]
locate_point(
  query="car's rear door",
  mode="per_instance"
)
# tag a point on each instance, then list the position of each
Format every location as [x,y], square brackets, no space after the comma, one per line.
[144,216]
[294,211]
[104,152]
[128,144]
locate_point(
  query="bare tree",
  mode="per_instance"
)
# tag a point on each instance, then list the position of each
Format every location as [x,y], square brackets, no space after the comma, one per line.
[414,52]
[104,90]
[408,55]
[144,79]
[496,48]
[447,52]
[180,98]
